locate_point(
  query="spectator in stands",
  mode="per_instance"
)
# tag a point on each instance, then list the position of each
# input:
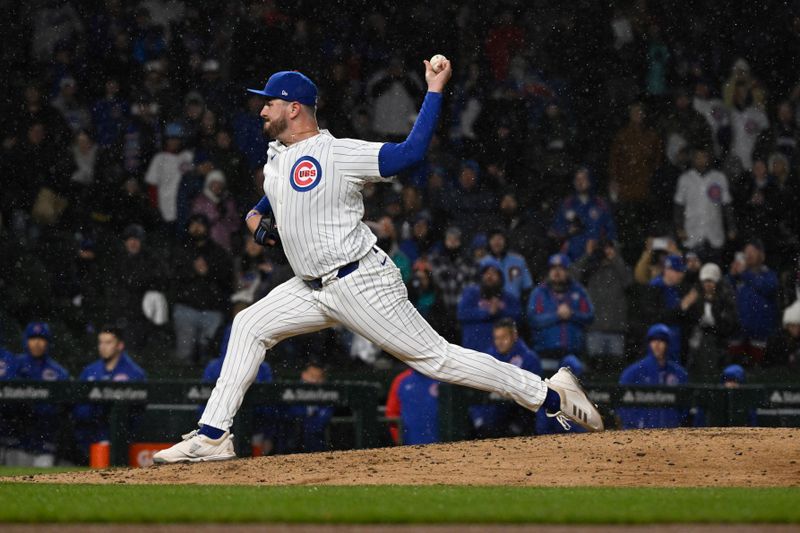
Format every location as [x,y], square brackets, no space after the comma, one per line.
[547,425]
[651,262]
[714,111]
[704,218]
[783,348]
[191,186]
[392,92]
[110,115]
[495,420]
[525,232]
[114,364]
[683,124]
[559,311]
[203,273]
[757,201]
[747,123]
[262,440]
[420,239]
[481,305]
[81,284]
[422,293]
[39,422]
[782,137]
[75,114]
[712,321]
[302,427]
[257,270]
[386,232]
[667,300]
[414,400]
[756,287]
[655,369]
[606,278]
[216,203]
[472,205]
[164,175]
[582,217]
[635,156]
[451,270]
[555,140]
[788,197]
[517,277]
[225,157]
[138,272]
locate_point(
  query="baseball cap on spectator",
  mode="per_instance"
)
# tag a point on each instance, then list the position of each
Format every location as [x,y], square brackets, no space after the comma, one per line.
[675,262]
[454,231]
[573,363]
[558,260]
[791,315]
[198,217]
[733,373]
[479,241]
[194,97]
[291,86]
[87,243]
[38,329]
[173,129]
[658,332]
[133,231]
[710,272]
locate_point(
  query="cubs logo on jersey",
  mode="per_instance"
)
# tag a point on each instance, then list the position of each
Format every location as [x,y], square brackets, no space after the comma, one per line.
[306,174]
[714,193]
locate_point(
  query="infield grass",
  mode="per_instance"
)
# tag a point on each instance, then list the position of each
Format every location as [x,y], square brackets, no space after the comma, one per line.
[394,504]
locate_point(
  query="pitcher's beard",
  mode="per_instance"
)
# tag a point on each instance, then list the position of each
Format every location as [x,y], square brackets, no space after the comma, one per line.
[273,128]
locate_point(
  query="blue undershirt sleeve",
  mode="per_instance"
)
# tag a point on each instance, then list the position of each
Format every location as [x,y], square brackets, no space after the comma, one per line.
[396,157]
[263,205]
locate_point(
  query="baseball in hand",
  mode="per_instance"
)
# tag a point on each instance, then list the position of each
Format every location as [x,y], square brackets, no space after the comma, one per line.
[437,63]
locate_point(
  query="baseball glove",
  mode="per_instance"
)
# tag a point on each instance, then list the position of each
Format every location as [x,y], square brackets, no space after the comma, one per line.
[266,233]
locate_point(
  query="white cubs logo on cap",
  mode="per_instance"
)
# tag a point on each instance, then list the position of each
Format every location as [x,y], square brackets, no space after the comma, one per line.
[306,174]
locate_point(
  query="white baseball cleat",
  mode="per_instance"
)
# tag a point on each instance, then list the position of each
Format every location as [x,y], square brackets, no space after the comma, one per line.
[575,405]
[196,448]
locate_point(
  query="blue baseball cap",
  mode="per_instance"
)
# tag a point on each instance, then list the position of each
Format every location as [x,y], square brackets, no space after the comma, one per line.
[675,262]
[558,260]
[291,86]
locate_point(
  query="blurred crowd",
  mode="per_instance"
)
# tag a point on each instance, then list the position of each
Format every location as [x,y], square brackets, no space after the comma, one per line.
[599,169]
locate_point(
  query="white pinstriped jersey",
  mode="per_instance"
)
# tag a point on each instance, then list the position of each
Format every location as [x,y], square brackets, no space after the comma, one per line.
[314,187]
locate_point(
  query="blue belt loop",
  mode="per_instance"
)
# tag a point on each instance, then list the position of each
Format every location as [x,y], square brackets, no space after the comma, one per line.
[349,268]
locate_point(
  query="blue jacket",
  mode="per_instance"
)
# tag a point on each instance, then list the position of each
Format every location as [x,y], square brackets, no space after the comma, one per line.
[671,298]
[43,368]
[8,365]
[549,331]
[92,418]
[595,218]
[414,398]
[647,371]
[248,135]
[516,274]
[41,423]
[476,322]
[492,416]
[757,303]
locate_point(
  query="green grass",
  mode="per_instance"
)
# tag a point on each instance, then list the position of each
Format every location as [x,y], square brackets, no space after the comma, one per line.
[394,504]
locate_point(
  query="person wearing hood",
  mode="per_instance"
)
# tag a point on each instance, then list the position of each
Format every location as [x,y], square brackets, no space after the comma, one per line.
[39,422]
[714,321]
[494,420]
[481,305]
[216,203]
[114,364]
[559,311]
[783,348]
[582,216]
[518,280]
[203,281]
[655,369]
[414,399]
[452,270]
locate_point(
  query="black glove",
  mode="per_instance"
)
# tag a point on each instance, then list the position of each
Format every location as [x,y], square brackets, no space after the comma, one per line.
[266,233]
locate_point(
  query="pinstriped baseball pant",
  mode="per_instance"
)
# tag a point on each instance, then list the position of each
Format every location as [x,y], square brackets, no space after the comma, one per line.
[373,302]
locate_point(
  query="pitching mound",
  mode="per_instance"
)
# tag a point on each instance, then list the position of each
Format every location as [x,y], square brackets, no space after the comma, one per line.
[745,457]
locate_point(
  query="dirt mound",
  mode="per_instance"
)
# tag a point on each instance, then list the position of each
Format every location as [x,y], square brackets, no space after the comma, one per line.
[745,457]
